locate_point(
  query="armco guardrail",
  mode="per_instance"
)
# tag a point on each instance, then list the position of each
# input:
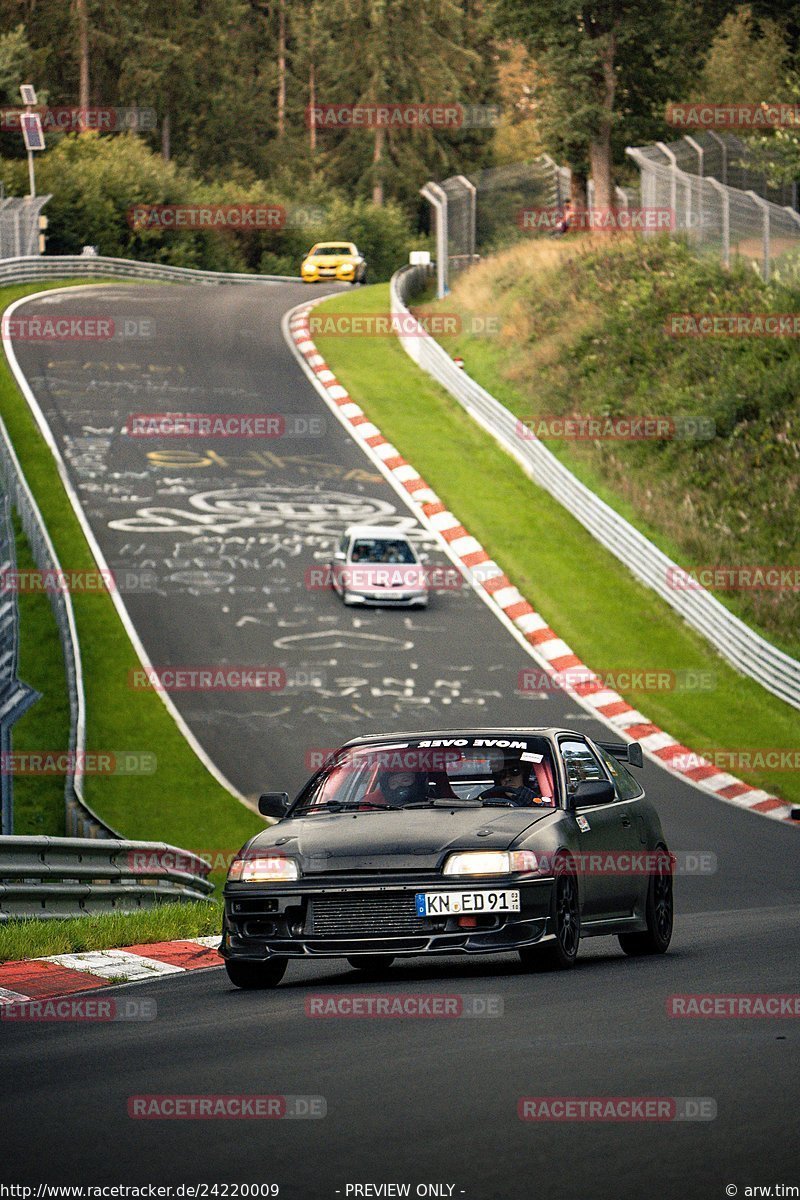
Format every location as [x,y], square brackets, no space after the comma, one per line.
[46,877]
[80,819]
[72,266]
[746,650]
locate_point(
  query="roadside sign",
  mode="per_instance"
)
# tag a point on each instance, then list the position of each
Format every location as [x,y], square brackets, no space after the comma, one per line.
[32,131]
[28,93]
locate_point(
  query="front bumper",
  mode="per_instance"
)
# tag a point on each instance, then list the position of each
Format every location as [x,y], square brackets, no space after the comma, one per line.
[387,599]
[284,920]
[315,274]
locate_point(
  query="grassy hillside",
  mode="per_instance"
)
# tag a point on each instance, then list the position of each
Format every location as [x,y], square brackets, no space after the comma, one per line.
[582,330]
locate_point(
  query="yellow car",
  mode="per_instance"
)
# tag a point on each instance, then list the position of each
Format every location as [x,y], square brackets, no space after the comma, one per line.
[334,260]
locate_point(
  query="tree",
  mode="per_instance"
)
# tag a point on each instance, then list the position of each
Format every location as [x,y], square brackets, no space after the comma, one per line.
[747,61]
[611,67]
[398,51]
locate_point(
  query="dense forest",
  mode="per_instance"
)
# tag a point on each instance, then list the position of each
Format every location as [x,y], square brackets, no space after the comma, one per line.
[230,86]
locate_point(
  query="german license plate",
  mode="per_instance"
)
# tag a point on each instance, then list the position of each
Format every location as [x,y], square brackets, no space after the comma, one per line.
[445,904]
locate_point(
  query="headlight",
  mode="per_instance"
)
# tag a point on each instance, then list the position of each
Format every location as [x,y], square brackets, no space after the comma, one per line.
[272,868]
[490,862]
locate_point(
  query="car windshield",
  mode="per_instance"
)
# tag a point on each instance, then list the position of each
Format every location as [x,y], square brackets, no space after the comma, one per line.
[381,550]
[332,248]
[430,773]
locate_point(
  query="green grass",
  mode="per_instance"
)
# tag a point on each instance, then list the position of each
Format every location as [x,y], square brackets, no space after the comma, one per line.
[167,922]
[591,600]
[583,331]
[39,799]
[181,802]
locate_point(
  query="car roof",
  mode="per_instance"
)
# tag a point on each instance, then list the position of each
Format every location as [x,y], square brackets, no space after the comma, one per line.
[498,731]
[376,531]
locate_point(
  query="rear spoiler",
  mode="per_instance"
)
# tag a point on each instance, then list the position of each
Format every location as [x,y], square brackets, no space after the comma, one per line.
[629,752]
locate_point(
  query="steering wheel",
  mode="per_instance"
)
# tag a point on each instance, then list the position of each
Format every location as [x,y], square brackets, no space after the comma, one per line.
[507,794]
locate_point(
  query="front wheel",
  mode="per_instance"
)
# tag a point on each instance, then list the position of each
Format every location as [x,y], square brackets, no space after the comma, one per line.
[267,974]
[659,913]
[565,919]
[371,963]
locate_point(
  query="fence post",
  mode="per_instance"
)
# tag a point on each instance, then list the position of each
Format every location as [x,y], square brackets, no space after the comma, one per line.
[673,186]
[472,192]
[438,198]
[764,206]
[726,220]
[723,147]
[700,152]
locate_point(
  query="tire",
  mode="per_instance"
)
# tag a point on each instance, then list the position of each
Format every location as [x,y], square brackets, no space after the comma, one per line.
[371,964]
[565,917]
[249,975]
[659,912]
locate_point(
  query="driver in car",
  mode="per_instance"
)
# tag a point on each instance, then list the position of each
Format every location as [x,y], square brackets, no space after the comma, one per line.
[511,778]
[397,788]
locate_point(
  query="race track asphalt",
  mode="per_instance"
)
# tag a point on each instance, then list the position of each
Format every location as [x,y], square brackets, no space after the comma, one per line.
[230,533]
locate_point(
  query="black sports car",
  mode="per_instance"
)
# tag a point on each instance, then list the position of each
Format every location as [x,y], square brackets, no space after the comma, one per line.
[470,842]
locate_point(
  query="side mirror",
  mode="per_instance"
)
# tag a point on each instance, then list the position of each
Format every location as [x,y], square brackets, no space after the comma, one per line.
[423,558]
[635,755]
[593,791]
[273,804]
[339,556]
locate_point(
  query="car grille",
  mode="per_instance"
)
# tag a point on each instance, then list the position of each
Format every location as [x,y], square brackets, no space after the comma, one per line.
[365,916]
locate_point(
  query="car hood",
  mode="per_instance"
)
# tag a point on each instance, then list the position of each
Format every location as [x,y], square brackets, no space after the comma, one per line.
[384,577]
[415,839]
[330,260]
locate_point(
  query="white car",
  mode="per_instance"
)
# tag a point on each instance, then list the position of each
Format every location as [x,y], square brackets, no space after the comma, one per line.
[375,564]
